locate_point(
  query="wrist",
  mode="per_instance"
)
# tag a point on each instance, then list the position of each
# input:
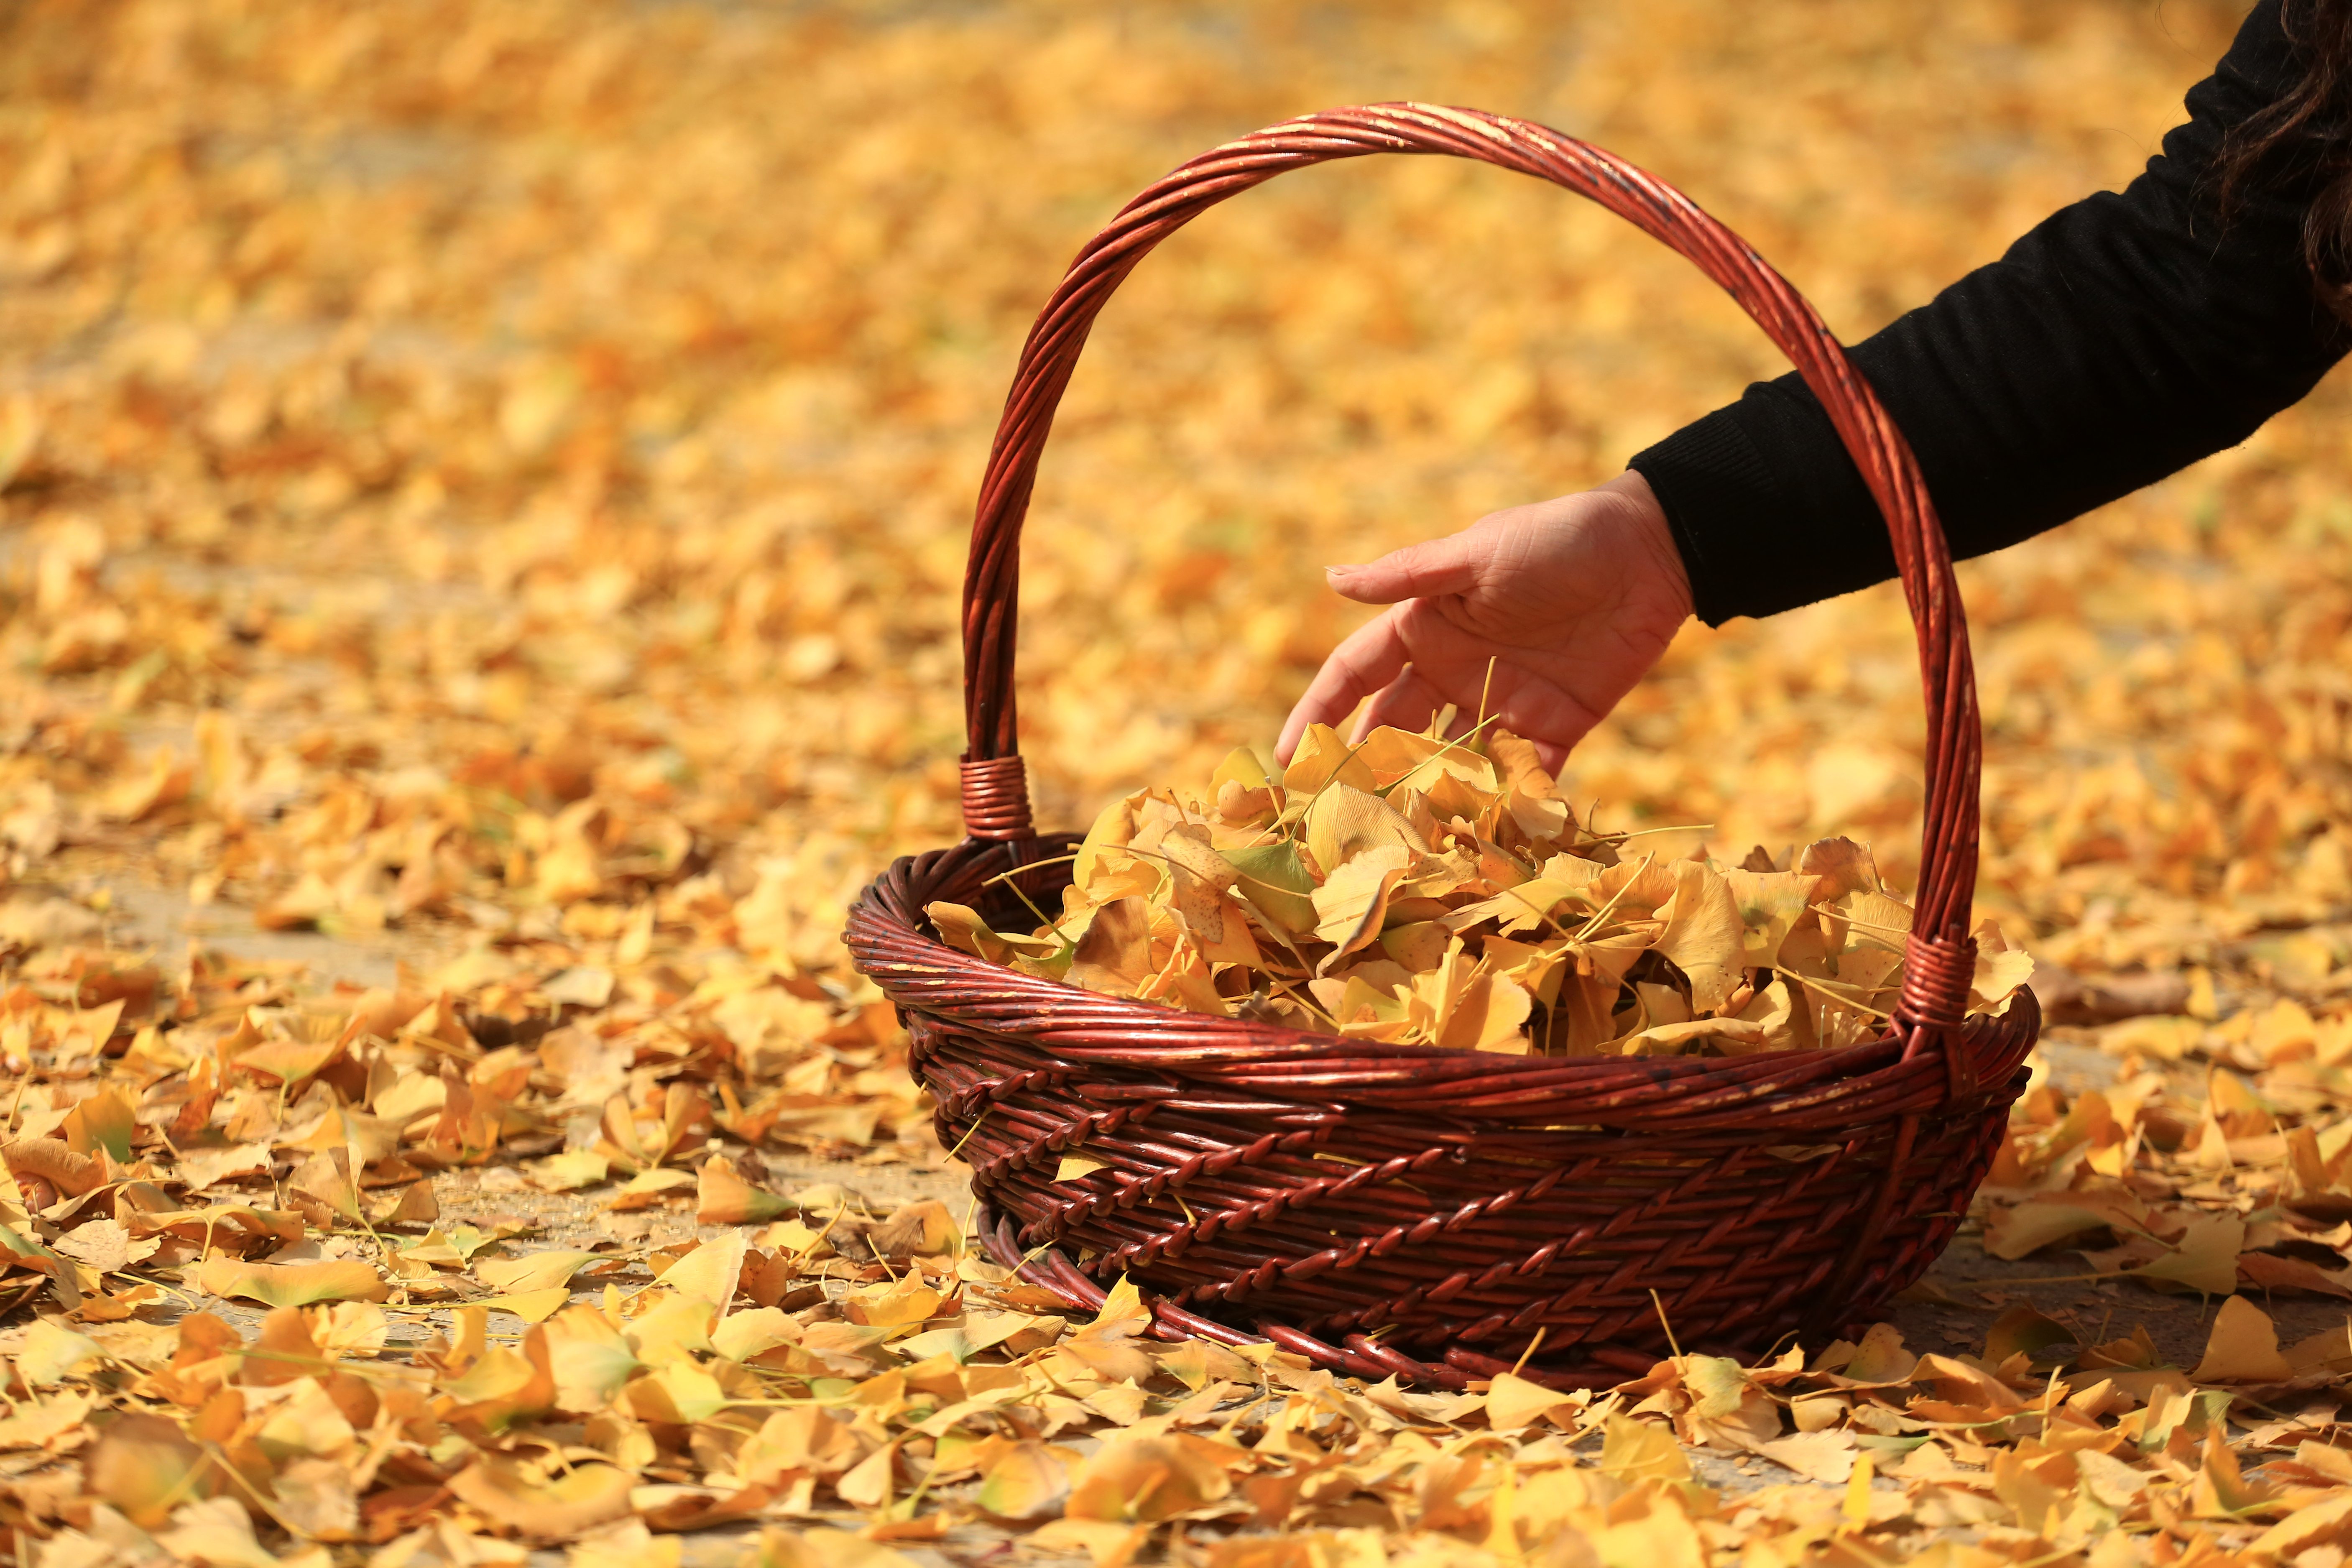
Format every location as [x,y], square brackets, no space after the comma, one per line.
[1648,530]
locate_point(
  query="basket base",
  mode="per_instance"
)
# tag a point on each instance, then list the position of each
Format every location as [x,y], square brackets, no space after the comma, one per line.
[1567,1366]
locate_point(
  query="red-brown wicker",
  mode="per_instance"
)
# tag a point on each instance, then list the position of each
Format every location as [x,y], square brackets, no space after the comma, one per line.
[1424,1212]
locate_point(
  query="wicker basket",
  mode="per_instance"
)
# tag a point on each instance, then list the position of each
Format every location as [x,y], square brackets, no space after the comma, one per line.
[1424,1213]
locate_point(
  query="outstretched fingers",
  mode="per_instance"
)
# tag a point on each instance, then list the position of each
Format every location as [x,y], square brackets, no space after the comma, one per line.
[1435,566]
[1372,656]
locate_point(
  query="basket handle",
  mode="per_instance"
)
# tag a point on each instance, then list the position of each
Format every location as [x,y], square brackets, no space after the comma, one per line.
[1941,959]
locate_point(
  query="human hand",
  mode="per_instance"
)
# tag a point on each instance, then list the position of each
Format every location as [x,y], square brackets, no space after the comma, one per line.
[1571,600]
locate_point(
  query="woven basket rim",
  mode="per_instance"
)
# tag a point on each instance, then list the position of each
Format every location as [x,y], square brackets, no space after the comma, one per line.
[1248,1040]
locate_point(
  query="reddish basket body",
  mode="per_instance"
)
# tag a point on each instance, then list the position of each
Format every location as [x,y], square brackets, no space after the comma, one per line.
[1404,1210]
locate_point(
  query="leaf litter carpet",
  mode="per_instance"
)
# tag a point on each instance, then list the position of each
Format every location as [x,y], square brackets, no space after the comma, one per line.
[483,493]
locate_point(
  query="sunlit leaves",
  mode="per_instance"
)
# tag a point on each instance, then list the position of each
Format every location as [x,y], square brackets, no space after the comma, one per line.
[608,656]
[1401,890]
[293,1284]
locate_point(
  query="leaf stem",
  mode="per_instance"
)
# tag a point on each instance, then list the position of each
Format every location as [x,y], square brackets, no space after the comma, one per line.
[1829,990]
[1584,933]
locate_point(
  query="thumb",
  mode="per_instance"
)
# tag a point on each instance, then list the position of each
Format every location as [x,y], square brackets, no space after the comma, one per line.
[1435,566]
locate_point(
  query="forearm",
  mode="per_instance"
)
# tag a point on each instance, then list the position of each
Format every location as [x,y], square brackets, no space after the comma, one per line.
[2123,339]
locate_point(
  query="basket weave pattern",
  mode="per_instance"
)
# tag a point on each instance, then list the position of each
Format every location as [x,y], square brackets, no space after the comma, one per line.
[1406,1210]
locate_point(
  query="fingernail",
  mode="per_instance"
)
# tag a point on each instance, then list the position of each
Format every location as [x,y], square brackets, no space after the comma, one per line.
[1335,571]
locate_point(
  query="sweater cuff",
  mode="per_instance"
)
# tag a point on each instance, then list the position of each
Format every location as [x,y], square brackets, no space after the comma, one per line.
[1765,507]
[1724,511]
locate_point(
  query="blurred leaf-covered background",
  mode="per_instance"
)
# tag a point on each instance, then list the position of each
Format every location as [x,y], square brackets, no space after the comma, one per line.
[484,489]
[485,409]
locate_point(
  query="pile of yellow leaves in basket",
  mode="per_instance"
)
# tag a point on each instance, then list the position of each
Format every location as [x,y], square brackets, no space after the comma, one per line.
[1430,891]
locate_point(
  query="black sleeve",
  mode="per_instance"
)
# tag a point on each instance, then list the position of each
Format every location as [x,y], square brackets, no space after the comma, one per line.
[2123,339]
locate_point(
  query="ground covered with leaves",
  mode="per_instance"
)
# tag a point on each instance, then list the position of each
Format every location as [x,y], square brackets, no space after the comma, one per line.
[484,495]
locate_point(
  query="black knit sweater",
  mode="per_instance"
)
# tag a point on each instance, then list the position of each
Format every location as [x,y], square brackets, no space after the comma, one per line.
[2123,339]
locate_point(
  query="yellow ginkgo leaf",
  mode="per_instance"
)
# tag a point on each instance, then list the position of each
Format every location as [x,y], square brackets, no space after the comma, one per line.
[724,1197]
[1272,880]
[1200,879]
[1024,1481]
[1352,902]
[291,1284]
[1704,934]
[710,1272]
[530,1306]
[533,1270]
[2242,1347]
[1115,953]
[1139,1477]
[1344,823]
[1634,1449]
[1321,758]
[1770,903]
